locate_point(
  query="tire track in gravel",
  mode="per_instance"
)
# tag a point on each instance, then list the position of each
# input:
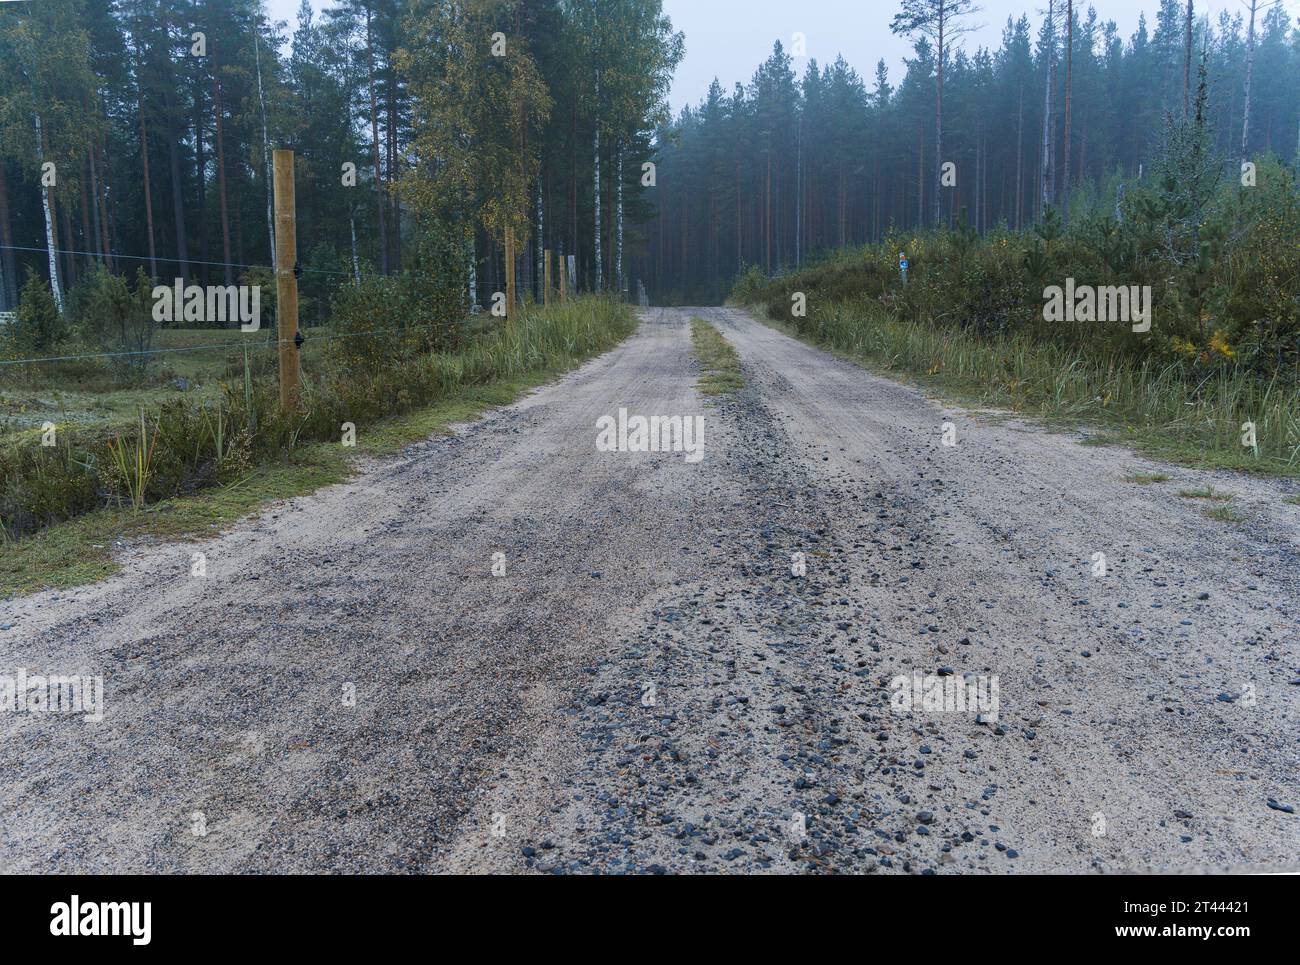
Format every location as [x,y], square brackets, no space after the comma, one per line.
[771,744]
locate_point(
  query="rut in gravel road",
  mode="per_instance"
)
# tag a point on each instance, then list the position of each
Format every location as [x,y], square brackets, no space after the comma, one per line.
[655,684]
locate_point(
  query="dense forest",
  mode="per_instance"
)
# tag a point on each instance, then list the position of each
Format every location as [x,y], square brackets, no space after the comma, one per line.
[420,118]
[137,134]
[810,156]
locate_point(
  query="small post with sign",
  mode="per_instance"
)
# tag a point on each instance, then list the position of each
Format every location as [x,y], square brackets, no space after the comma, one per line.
[902,265]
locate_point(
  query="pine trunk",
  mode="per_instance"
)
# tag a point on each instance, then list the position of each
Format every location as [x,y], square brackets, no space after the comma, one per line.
[9,281]
[148,193]
[1046,149]
[938,122]
[1250,70]
[221,172]
[170,111]
[1069,83]
[374,143]
[1020,162]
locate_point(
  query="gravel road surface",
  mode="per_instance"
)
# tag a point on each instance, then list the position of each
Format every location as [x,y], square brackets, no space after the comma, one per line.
[507,651]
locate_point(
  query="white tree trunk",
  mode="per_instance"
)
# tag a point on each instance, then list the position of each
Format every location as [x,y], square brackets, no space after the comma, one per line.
[618,226]
[266,150]
[49,222]
[356,263]
[600,273]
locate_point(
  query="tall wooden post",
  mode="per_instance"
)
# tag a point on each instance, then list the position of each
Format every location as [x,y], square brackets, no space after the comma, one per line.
[510,274]
[564,284]
[286,282]
[546,277]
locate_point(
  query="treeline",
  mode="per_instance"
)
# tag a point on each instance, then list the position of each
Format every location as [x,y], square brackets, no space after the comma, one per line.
[810,156]
[137,134]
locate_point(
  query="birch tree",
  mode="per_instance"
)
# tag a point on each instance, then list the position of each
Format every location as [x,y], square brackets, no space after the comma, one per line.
[45,125]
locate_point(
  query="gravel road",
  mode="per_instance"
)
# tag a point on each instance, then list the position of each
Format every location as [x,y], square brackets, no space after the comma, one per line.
[655,683]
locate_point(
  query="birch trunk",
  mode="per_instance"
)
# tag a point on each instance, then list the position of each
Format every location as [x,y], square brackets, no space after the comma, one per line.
[356,262]
[600,275]
[618,231]
[266,155]
[49,221]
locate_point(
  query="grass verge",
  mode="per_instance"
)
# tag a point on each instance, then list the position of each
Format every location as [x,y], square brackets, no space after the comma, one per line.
[83,549]
[1162,411]
[719,364]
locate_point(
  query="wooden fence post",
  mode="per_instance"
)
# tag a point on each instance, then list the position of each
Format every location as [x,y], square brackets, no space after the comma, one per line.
[286,280]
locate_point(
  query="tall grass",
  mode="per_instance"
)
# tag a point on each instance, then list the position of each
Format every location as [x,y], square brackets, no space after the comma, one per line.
[132,462]
[182,446]
[1168,407]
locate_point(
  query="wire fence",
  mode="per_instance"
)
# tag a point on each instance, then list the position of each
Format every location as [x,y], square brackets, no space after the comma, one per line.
[264,343]
[168,259]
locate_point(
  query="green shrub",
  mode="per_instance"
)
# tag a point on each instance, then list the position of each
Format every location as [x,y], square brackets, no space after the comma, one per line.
[39,329]
[387,319]
[748,284]
[186,445]
[114,318]
[41,485]
[268,298]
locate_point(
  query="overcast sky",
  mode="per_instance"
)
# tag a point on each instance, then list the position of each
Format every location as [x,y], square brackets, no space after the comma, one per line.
[728,38]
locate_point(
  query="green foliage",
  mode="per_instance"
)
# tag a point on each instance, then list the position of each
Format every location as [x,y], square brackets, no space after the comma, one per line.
[39,328]
[112,317]
[748,284]
[41,485]
[1224,271]
[426,306]
[1173,409]
[184,446]
[268,297]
